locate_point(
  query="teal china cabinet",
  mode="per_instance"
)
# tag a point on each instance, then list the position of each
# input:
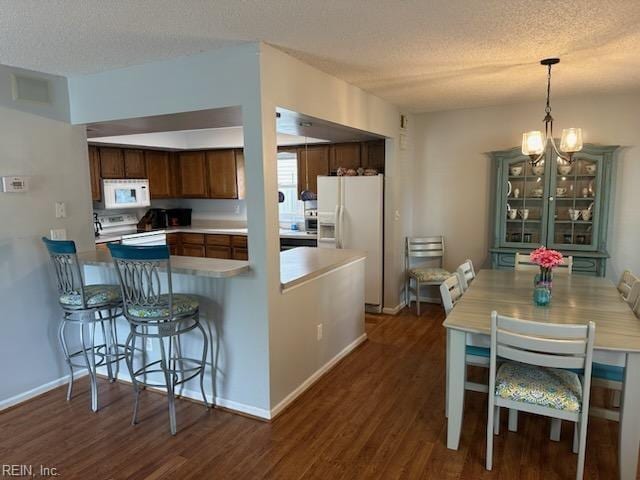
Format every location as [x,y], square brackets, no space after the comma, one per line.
[559,205]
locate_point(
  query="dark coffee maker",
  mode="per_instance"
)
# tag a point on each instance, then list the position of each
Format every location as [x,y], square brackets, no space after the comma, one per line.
[179,217]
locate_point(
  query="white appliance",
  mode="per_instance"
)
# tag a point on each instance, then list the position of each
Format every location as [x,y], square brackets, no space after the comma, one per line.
[350,215]
[146,238]
[130,193]
[115,225]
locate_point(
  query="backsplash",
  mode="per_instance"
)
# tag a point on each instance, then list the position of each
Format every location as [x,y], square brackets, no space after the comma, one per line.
[204,210]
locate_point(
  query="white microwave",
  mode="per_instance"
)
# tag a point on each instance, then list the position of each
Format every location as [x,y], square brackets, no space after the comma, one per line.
[130,193]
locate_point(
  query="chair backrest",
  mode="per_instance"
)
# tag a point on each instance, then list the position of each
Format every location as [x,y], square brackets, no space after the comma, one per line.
[138,272]
[467,274]
[451,292]
[543,344]
[523,263]
[636,307]
[629,287]
[425,247]
[65,262]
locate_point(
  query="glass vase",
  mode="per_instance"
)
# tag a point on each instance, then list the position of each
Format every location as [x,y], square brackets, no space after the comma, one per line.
[541,296]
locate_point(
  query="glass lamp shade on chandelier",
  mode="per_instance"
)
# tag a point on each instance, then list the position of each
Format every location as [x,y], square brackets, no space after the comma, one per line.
[534,143]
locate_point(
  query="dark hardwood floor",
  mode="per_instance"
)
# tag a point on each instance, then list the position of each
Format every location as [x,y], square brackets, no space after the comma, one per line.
[378,414]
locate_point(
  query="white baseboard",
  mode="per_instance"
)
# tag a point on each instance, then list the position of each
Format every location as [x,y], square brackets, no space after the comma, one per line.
[316,376]
[394,310]
[34,392]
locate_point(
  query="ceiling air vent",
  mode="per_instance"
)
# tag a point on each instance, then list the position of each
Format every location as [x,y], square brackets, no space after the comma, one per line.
[31,89]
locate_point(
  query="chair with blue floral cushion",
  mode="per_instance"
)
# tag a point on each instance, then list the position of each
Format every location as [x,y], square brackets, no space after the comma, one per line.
[545,369]
[161,317]
[425,249]
[86,306]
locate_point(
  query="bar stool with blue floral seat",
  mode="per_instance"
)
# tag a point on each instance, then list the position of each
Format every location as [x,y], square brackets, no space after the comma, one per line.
[86,306]
[164,317]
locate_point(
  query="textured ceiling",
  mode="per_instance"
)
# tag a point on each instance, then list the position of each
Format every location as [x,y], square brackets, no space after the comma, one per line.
[423,55]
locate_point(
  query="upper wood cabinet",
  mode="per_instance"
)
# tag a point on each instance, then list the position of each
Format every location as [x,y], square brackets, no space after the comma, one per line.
[134,164]
[111,162]
[94,174]
[159,173]
[345,155]
[192,173]
[240,173]
[373,155]
[312,161]
[222,173]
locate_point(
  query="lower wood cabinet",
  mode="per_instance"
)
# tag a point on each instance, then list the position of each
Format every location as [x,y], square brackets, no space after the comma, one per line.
[209,245]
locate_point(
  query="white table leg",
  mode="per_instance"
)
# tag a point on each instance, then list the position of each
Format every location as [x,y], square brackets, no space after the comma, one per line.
[629,442]
[456,378]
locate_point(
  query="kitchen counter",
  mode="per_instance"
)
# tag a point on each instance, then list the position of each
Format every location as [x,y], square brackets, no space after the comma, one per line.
[284,233]
[200,267]
[302,264]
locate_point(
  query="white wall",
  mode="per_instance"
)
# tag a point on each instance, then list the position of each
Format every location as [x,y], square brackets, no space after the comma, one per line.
[452,176]
[221,78]
[291,84]
[54,155]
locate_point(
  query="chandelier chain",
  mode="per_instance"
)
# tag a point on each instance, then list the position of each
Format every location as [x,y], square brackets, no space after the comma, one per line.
[548,107]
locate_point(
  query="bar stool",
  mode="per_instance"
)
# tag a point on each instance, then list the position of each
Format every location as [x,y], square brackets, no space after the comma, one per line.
[164,317]
[80,303]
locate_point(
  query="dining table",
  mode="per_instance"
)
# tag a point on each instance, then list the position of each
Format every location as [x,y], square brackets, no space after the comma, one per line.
[576,299]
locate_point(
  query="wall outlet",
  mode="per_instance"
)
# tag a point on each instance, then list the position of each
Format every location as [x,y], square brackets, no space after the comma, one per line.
[319,332]
[149,346]
[58,234]
[61,210]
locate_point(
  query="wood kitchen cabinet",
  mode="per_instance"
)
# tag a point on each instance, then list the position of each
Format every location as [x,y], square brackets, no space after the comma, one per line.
[173,241]
[192,174]
[312,161]
[239,249]
[219,246]
[111,162]
[94,174]
[192,244]
[159,173]
[345,155]
[222,177]
[134,164]
[240,172]
[373,155]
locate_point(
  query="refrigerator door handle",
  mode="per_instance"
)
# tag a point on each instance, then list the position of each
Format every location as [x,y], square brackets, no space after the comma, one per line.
[337,226]
[340,222]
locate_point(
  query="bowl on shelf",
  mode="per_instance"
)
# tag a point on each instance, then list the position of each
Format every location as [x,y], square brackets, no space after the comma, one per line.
[538,170]
[590,169]
[564,169]
[537,192]
[516,170]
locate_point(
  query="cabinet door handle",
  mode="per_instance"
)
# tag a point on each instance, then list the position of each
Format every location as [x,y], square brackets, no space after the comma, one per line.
[551,199]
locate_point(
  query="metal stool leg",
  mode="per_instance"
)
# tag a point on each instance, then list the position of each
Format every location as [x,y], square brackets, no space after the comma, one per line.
[114,339]
[107,346]
[63,344]
[130,347]
[204,363]
[90,368]
[169,379]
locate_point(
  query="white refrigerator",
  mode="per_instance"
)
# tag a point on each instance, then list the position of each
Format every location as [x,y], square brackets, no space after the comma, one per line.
[350,215]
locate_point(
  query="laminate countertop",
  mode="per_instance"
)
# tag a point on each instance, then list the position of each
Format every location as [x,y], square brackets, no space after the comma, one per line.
[284,233]
[302,264]
[200,267]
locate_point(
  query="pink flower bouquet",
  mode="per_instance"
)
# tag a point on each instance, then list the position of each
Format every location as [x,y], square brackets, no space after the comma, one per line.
[547,259]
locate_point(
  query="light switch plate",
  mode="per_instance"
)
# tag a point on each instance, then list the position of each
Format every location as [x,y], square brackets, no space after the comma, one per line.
[58,234]
[61,210]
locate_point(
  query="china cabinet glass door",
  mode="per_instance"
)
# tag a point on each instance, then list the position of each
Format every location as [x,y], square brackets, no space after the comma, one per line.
[574,203]
[523,204]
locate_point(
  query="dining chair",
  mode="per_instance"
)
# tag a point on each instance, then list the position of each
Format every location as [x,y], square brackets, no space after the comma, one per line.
[537,374]
[467,274]
[425,249]
[629,287]
[523,263]
[475,355]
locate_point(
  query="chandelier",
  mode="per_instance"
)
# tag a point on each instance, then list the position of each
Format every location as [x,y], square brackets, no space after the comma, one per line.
[534,143]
